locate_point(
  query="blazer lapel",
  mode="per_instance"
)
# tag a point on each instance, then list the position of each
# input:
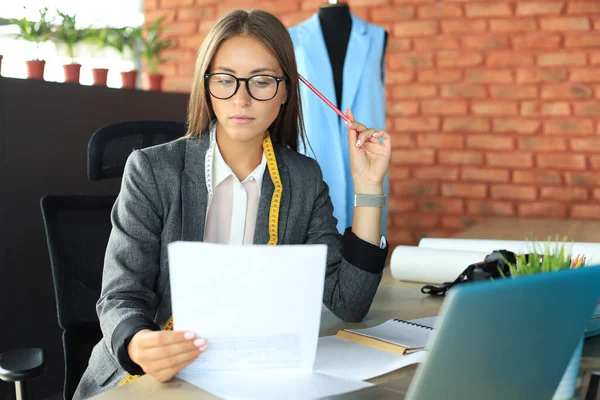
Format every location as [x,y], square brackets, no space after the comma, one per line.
[356,54]
[194,196]
[261,232]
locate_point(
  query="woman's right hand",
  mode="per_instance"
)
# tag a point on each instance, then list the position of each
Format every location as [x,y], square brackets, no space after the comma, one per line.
[161,354]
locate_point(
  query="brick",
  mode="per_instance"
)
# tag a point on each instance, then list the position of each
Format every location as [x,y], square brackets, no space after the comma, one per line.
[439,10]
[539,8]
[596,194]
[150,5]
[536,41]
[397,237]
[416,221]
[587,109]
[489,76]
[515,125]
[409,60]
[579,40]
[582,178]
[564,24]
[392,77]
[398,173]
[440,141]
[413,156]
[561,161]
[401,205]
[397,44]
[510,159]
[495,108]
[485,42]
[513,91]
[458,59]
[443,107]
[443,206]
[181,85]
[414,91]
[419,28]
[460,157]
[487,9]
[490,142]
[485,174]
[542,143]
[508,59]
[439,76]
[465,124]
[586,144]
[444,173]
[458,223]
[513,192]
[584,7]
[536,108]
[298,17]
[392,14]
[420,124]
[587,211]
[191,42]
[465,190]
[513,25]
[463,91]
[566,91]
[205,26]
[175,3]
[436,43]
[186,68]
[542,209]
[181,28]
[585,75]
[572,126]
[184,14]
[488,207]
[414,189]
[402,140]
[561,58]
[537,177]
[396,108]
[541,75]
[463,26]
[559,193]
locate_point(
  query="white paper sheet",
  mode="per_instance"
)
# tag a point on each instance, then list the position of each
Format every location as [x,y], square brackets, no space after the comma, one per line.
[343,358]
[276,385]
[418,264]
[590,250]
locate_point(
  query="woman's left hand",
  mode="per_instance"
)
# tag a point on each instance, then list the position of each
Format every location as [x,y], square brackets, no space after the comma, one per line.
[369,158]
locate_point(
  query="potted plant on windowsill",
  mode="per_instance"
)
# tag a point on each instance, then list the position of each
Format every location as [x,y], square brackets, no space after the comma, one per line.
[98,37]
[70,35]
[126,39]
[153,45]
[36,32]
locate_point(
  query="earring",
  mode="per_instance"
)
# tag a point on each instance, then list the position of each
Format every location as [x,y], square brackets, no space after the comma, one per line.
[283,102]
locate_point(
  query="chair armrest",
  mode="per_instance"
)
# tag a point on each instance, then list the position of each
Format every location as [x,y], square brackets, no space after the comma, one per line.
[22,364]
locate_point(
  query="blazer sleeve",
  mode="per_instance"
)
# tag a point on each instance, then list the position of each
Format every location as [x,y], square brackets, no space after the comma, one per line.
[128,301]
[354,267]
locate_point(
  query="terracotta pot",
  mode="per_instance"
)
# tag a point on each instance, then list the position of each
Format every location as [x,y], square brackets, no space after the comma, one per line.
[100,75]
[35,69]
[128,79]
[72,72]
[1,57]
[153,81]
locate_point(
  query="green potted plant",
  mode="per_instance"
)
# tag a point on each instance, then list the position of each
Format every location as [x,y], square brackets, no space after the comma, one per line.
[153,45]
[37,32]
[124,40]
[70,35]
[100,38]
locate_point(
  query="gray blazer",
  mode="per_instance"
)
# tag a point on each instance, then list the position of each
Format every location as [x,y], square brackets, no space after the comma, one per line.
[163,198]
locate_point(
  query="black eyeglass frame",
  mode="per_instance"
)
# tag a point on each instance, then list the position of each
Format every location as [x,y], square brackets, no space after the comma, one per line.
[278,79]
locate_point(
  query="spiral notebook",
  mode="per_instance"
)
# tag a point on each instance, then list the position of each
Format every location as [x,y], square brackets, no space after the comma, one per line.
[394,336]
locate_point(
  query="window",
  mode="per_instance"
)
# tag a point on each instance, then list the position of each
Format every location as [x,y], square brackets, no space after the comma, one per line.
[113,13]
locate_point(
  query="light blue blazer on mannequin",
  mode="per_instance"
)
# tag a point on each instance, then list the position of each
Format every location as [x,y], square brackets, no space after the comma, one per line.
[363,92]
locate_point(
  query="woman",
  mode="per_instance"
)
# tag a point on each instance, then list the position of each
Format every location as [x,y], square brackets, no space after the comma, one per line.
[235,178]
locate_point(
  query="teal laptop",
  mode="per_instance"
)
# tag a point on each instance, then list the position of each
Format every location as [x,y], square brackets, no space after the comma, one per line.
[504,339]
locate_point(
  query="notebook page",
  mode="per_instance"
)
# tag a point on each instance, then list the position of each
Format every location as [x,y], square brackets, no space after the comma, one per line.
[398,332]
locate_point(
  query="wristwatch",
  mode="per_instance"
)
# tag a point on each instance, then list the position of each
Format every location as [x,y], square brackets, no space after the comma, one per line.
[370,200]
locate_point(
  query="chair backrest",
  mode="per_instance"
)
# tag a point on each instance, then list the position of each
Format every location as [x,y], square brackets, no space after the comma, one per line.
[110,145]
[77,231]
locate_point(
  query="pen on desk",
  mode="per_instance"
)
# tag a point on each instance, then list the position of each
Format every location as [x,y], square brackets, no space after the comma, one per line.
[334,108]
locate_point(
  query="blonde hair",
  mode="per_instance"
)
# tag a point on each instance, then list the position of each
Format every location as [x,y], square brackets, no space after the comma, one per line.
[288,127]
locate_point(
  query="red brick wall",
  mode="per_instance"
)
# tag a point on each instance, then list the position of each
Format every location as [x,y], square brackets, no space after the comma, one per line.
[493,105]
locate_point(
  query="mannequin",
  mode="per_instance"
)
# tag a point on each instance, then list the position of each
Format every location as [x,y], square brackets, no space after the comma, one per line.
[336,25]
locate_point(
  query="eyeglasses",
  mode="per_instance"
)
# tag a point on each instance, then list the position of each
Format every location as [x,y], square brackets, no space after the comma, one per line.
[259,87]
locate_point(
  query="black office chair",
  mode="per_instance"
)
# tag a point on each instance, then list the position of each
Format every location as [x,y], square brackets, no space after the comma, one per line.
[20,366]
[110,145]
[77,231]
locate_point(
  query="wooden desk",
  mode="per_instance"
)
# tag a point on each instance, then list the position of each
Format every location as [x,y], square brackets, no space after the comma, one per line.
[396,299]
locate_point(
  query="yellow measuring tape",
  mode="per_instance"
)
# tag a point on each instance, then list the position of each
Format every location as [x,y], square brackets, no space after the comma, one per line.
[273,219]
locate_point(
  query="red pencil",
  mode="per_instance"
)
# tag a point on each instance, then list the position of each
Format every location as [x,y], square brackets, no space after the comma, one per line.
[334,108]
